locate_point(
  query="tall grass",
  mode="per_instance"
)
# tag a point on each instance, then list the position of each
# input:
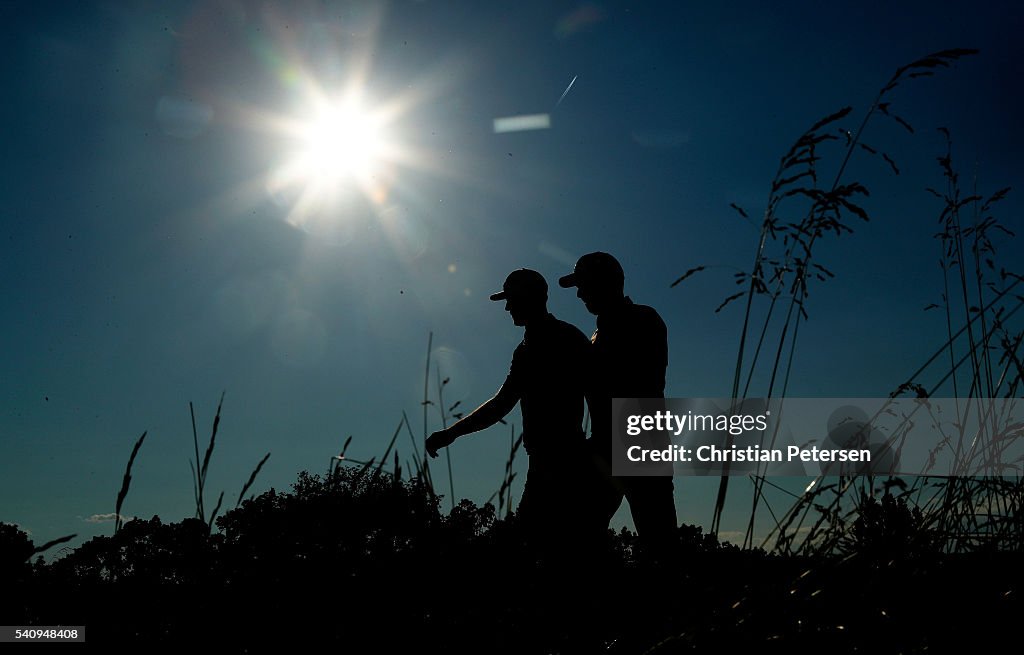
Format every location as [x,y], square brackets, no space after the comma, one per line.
[427,402]
[420,462]
[964,511]
[504,492]
[199,471]
[785,264]
[126,483]
[252,478]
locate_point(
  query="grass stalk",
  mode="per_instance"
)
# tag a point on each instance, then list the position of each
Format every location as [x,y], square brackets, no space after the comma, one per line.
[252,478]
[199,471]
[444,424]
[125,483]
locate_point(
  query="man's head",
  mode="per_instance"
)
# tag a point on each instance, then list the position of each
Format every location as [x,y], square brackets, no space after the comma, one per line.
[598,279]
[525,293]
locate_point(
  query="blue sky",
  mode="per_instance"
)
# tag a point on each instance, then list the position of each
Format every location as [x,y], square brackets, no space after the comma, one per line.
[149,260]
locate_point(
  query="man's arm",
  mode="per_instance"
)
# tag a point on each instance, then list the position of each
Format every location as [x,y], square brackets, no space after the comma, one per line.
[482,417]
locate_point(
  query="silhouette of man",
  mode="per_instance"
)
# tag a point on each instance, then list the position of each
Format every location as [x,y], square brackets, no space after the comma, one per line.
[629,358]
[547,378]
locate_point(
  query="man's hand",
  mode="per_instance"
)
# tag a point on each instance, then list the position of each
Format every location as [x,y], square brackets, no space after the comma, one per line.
[439,439]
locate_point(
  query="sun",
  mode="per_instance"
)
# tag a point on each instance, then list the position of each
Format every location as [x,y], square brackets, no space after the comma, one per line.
[338,142]
[343,141]
[340,152]
[335,147]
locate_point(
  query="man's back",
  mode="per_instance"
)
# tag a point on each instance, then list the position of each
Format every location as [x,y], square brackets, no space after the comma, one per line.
[549,371]
[631,347]
[630,356]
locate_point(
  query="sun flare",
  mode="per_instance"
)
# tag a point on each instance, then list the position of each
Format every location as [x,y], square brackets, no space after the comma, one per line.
[338,147]
[341,141]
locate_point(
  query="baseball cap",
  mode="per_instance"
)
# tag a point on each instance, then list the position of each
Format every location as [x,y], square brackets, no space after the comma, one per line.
[594,267]
[523,282]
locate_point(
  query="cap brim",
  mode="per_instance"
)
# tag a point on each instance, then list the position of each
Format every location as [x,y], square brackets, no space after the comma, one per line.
[501,295]
[567,281]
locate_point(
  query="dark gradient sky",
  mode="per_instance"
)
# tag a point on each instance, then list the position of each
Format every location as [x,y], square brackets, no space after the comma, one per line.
[146,264]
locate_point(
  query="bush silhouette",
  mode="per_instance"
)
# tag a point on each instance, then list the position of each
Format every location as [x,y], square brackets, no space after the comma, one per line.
[888,529]
[15,550]
[361,560]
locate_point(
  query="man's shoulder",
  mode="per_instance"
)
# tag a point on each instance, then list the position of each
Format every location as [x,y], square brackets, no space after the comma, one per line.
[568,331]
[645,313]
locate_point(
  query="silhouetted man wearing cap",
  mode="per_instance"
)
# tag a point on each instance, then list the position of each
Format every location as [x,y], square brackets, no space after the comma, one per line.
[547,377]
[629,358]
